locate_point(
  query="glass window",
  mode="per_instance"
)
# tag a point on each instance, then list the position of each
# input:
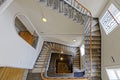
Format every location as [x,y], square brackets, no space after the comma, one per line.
[110,19]
[82,49]
[115,12]
[113,73]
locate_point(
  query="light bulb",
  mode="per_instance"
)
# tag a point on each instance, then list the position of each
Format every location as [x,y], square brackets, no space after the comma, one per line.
[61,58]
[74,40]
[44,19]
[62,52]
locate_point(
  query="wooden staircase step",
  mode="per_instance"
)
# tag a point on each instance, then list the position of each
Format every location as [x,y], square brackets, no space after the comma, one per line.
[93,34]
[93,47]
[93,38]
[93,42]
[36,70]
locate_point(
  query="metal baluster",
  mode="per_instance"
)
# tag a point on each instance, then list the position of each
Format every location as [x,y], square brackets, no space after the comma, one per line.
[65,8]
[71,2]
[74,17]
[68,11]
[71,12]
[77,16]
[55,4]
[61,6]
[80,9]
[77,6]
[49,2]
[82,18]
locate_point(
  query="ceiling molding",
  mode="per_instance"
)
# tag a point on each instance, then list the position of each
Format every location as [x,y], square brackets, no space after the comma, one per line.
[61,35]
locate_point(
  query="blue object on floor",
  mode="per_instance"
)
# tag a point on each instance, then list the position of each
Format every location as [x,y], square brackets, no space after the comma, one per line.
[79,74]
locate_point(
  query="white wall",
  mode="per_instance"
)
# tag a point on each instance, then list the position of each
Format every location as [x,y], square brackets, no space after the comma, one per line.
[14,51]
[95,6]
[110,46]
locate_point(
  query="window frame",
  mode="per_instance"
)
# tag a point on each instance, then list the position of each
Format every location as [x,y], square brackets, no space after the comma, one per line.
[108,29]
[114,69]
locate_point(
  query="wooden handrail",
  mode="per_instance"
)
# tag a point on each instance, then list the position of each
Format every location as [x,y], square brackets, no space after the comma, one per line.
[90,35]
[91,46]
[83,7]
[90,15]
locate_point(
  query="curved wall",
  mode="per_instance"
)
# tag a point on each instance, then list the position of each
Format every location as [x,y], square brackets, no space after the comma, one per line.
[14,51]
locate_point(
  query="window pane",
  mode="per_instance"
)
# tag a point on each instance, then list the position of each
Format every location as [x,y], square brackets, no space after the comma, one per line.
[82,49]
[111,19]
[118,17]
[111,74]
[108,22]
[118,73]
[115,12]
[112,24]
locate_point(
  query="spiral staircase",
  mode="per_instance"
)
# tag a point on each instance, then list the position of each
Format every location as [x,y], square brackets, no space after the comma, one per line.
[78,13]
[73,10]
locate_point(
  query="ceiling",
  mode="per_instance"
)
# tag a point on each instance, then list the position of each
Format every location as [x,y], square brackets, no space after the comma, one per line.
[58,28]
[95,6]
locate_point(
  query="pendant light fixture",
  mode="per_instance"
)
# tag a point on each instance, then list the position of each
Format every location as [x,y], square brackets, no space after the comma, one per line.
[42,14]
[44,19]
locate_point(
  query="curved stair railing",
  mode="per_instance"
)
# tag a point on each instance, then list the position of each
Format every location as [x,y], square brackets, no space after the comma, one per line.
[79,9]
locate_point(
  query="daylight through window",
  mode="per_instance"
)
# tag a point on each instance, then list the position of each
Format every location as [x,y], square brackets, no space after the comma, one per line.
[110,19]
[113,74]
